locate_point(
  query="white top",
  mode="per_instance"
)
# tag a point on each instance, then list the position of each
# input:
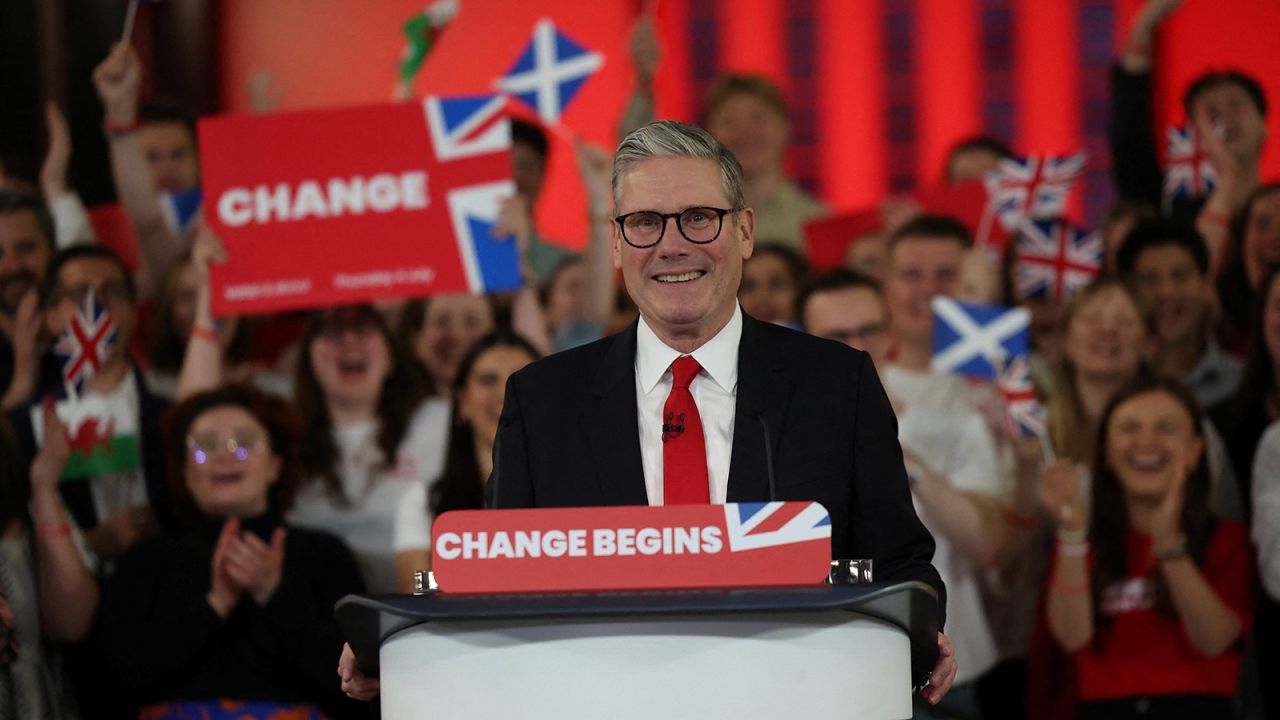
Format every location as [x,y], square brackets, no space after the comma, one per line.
[1266,509]
[714,389]
[382,501]
[940,423]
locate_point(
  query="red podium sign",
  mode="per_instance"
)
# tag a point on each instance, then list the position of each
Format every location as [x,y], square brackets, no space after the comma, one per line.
[632,548]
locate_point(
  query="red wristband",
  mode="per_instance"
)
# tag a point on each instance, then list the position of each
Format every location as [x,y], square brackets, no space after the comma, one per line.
[1215,218]
[204,333]
[116,128]
[1065,589]
[59,530]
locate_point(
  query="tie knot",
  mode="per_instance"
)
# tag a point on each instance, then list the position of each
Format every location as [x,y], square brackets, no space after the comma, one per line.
[683,370]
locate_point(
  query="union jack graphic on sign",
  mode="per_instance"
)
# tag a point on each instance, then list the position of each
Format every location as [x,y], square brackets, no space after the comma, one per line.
[751,526]
[87,341]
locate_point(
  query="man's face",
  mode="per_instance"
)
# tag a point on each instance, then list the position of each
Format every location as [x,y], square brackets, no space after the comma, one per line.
[171,154]
[683,289]
[854,316]
[1227,106]
[527,168]
[24,256]
[1168,276]
[754,131]
[77,277]
[919,269]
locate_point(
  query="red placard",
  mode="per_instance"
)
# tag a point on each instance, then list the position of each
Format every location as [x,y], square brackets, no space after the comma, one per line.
[828,239]
[347,205]
[632,548]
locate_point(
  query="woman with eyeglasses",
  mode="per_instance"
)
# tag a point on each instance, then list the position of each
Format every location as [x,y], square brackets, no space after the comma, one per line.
[371,433]
[235,612]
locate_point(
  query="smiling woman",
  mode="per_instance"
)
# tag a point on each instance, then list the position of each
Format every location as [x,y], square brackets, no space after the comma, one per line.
[235,610]
[1153,594]
[371,434]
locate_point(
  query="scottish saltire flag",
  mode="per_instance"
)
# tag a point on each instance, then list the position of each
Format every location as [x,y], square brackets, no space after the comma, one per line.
[1025,414]
[1187,170]
[85,344]
[421,33]
[181,208]
[1034,187]
[463,128]
[759,525]
[550,71]
[1054,260]
[978,340]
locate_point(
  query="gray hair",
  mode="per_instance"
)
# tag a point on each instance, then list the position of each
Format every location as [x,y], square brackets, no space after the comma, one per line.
[668,138]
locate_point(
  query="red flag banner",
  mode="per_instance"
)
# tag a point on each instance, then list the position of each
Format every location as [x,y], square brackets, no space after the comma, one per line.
[347,205]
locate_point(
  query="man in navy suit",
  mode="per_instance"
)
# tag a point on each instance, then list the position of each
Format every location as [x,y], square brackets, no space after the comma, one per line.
[594,425]
[585,427]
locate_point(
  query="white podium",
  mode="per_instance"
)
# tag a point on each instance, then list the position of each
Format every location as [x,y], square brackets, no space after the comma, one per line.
[829,652]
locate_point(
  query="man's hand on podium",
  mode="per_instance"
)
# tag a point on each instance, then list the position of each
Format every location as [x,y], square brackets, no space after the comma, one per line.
[944,673]
[357,686]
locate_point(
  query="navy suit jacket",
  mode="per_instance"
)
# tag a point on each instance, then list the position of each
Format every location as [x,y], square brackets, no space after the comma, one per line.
[569,437]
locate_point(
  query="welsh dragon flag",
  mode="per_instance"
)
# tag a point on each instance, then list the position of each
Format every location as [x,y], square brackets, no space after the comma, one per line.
[103,434]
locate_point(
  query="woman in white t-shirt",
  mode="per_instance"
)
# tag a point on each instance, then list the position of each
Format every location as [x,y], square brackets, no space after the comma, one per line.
[372,437]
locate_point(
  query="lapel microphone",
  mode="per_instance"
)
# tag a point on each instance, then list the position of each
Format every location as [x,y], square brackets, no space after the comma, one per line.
[673,427]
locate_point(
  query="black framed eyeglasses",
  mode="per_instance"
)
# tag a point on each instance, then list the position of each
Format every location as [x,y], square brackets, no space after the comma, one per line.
[699,225]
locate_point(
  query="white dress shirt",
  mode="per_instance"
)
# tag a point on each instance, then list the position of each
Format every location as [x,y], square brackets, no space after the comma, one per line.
[714,389]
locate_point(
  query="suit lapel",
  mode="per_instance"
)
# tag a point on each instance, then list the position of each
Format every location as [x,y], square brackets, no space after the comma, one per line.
[613,424]
[763,390]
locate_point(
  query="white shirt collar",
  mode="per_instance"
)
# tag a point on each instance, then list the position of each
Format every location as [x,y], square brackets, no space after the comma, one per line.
[717,356]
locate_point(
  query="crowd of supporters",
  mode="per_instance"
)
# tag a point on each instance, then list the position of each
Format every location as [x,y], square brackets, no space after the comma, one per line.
[255,469]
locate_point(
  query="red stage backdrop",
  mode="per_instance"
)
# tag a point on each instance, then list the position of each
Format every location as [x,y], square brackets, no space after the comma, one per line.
[879,88]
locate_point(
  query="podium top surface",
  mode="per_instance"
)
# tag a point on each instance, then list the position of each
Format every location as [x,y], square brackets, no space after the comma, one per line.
[368,621]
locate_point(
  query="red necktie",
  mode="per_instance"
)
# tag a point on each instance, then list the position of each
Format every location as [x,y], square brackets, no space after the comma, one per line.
[684,452]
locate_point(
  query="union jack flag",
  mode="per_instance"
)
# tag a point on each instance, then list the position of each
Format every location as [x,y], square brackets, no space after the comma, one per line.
[1032,187]
[88,340]
[550,71]
[760,525]
[1024,413]
[1187,171]
[1055,259]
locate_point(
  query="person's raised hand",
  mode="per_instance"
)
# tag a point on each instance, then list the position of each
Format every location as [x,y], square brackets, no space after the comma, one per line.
[1155,11]
[206,250]
[354,682]
[645,52]
[117,80]
[46,468]
[944,673]
[224,590]
[1060,494]
[53,172]
[595,167]
[256,565]
[1166,521]
[514,218]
